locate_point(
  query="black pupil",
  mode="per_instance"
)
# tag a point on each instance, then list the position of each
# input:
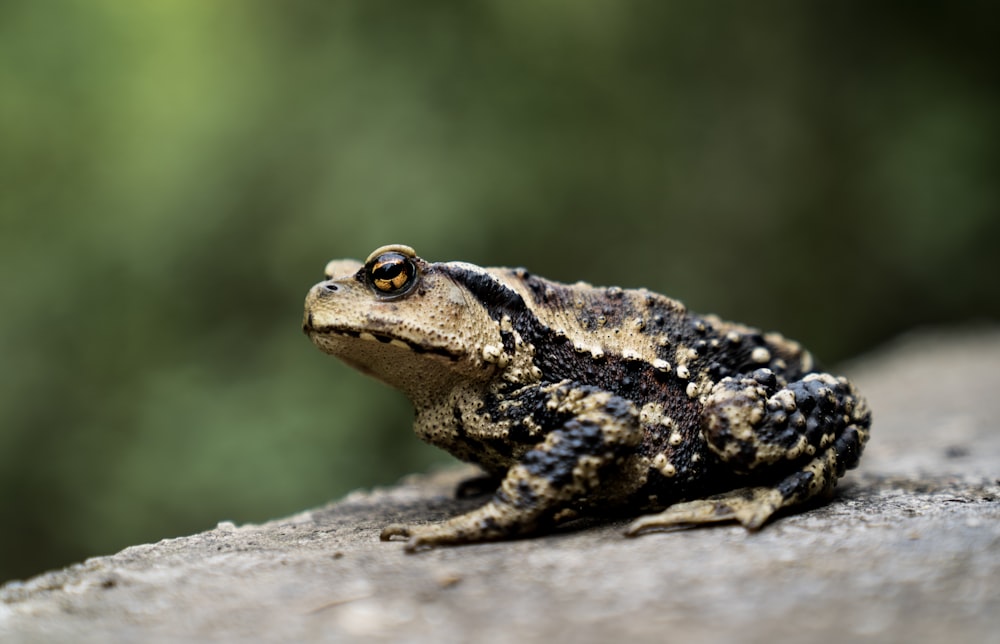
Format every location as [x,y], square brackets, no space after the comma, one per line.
[388,268]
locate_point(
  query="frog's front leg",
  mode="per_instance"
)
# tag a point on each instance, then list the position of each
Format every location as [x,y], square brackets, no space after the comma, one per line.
[794,441]
[587,434]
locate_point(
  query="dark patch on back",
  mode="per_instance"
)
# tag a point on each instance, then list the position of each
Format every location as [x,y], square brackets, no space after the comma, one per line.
[497,298]
[509,344]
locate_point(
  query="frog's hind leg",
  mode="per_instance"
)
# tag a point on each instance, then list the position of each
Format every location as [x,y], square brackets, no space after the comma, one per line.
[750,506]
[807,434]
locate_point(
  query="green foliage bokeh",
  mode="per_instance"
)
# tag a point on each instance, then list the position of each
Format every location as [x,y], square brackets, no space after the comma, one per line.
[175,174]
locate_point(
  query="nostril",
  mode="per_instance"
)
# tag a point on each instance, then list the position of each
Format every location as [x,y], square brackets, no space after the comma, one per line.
[332,288]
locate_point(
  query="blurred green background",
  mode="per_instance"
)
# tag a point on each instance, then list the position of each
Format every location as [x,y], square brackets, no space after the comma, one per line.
[175,174]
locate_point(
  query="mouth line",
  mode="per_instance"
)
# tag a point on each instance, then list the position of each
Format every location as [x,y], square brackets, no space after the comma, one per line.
[381,338]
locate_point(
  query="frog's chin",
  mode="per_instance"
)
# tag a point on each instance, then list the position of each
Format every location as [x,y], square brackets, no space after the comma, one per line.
[422,373]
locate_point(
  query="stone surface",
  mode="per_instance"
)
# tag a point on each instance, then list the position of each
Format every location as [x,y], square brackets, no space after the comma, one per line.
[908,551]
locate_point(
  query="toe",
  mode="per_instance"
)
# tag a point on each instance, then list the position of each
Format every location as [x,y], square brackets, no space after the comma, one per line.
[394,530]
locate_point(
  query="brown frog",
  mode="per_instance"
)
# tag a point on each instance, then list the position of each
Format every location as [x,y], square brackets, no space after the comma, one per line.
[585,401]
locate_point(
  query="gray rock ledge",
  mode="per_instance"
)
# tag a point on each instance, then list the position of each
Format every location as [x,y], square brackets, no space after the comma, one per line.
[908,551]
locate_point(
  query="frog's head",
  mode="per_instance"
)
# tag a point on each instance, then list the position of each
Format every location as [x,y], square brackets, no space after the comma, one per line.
[403,320]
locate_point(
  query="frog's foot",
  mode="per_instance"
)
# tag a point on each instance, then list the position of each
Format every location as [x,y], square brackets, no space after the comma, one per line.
[751,506]
[491,522]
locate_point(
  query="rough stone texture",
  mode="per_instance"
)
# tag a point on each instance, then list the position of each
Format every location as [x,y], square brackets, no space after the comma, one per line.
[908,551]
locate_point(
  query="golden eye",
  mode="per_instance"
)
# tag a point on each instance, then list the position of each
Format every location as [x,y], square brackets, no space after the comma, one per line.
[392,273]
